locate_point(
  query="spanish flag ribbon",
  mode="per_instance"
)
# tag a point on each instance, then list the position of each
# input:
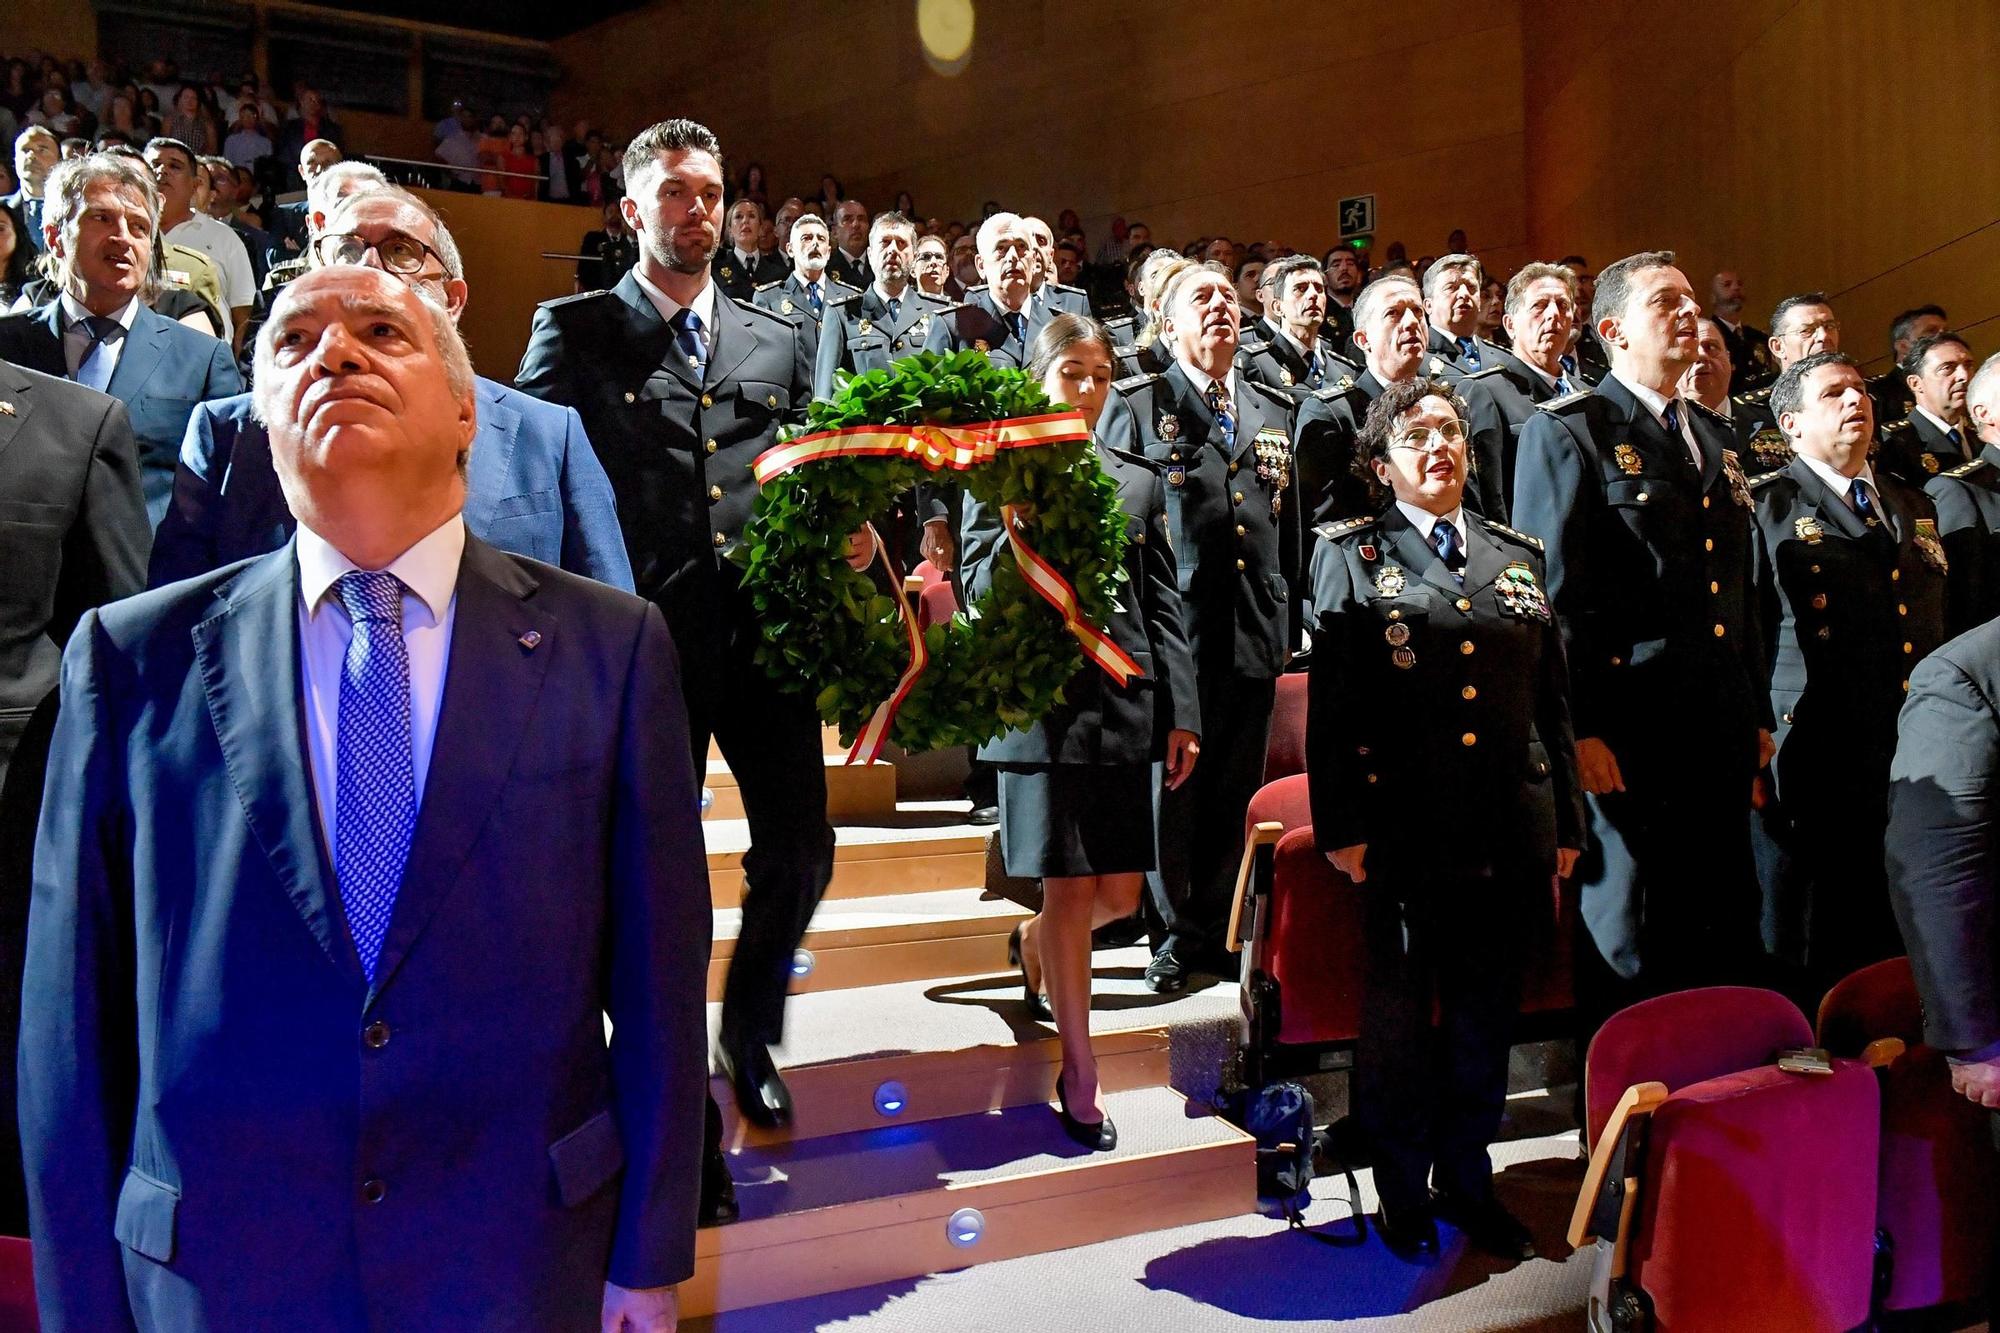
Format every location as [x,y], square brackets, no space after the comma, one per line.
[959,448]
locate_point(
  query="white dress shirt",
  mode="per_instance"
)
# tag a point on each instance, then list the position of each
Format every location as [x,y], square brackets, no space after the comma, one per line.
[429,573]
[1944,428]
[1200,380]
[1657,405]
[1423,520]
[76,336]
[1841,486]
[703,305]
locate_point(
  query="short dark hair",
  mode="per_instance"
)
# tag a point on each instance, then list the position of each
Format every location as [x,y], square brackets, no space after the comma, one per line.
[1614,284]
[1789,392]
[162,141]
[1062,333]
[1913,364]
[1791,303]
[1900,326]
[669,136]
[1380,424]
[1279,271]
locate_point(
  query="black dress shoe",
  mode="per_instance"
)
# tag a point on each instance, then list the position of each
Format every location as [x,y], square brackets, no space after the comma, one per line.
[984,814]
[1038,1003]
[1166,974]
[1410,1233]
[1098,1136]
[761,1094]
[718,1192]
[1488,1225]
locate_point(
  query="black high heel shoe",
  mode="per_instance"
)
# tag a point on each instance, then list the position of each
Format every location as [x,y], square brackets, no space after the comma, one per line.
[1101,1136]
[1038,1003]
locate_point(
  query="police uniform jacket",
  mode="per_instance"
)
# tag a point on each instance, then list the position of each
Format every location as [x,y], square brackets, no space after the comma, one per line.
[1761,445]
[1100,722]
[1915,450]
[854,272]
[1590,354]
[1059,298]
[1649,564]
[1142,359]
[739,280]
[1968,512]
[789,299]
[1277,362]
[677,444]
[1233,514]
[1329,425]
[859,336]
[1891,392]
[1848,610]
[1750,353]
[1435,701]
[980,323]
[1473,354]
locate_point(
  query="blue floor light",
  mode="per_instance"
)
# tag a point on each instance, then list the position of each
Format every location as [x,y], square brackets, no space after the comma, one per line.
[964,1228]
[890,1098]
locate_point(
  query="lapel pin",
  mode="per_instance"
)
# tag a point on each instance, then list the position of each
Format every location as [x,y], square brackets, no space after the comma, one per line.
[7,410]
[531,639]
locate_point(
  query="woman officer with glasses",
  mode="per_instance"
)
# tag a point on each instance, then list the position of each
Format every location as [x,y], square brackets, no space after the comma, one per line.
[1444,785]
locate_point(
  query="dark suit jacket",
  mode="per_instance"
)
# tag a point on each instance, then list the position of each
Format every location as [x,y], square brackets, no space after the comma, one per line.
[858,336]
[788,298]
[164,370]
[678,450]
[1968,509]
[978,323]
[208,1078]
[1941,859]
[533,487]
[739,281]
[1099,722]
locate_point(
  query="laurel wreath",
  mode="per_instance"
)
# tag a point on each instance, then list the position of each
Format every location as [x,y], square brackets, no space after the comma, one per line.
[829,629]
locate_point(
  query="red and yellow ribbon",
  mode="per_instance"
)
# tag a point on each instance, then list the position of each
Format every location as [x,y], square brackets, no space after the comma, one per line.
[959,448]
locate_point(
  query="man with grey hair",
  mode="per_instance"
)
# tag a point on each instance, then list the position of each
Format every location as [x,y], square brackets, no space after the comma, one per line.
[100,229]
[304,748]
[36,152]
[1646,516]
[1539,317]
[1053,297]
[227,504]
[999,318]
[1968,508]
[808,289]
[1452,287]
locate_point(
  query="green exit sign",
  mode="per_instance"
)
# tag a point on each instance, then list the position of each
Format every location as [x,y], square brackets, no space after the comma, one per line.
[1357,215]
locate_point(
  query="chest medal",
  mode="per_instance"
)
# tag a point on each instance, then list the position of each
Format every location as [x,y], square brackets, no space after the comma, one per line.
[1389,581]
[1628,460]
[1274,464]
[1928,546]
[1808,530]
[1520,596]
[1168,427]
[1739,485]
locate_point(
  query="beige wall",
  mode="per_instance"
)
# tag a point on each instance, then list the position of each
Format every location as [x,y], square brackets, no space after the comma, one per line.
[1117,108]
[65,28]
[501,241]
[1804,144]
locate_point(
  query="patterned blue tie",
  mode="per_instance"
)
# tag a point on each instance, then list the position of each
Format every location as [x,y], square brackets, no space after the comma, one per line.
[94,371]
[1568,363]
[1218,403]
[687,334]
[1670,417]
[1857,495]
[375,790]
[1018,324]
[1445,538]
[814,299]
[1315,370]
[1468,352]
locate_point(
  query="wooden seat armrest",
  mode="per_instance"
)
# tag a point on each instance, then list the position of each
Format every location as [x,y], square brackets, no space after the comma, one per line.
[1262,835]
[1614,1168]
[1883,1052]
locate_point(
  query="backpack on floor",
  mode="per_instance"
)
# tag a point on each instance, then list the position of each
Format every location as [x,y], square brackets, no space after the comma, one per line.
[1280,1118]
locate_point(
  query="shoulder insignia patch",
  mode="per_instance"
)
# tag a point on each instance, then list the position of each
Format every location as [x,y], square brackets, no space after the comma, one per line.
[1568,400]
[845,300]
[1342,527]
[555,301]
[1765,479]
[1533,543]
[767,286]
[1706,411]
[1139,381]
[1335,391]
[1964,469]
[762,313]
[1252,349]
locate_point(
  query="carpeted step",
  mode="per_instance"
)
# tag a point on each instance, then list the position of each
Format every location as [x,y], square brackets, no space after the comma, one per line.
[852,1209]
[897,937]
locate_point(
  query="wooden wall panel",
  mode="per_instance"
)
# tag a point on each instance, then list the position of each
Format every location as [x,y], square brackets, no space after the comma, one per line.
[501,241]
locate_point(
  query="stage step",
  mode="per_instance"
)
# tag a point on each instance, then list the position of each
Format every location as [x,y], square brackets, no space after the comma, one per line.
[852,790]
[853,1209]
[829,743]
[966,1045]
[899,937]
[921,848]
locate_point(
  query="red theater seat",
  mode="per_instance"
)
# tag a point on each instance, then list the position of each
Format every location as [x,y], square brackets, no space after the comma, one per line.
[936,605]
[17,1286]
[1285,752]
[1938,1179]
[1727,1193]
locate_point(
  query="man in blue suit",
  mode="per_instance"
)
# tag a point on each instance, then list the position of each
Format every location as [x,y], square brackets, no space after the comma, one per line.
[349,854]
[534,485]
[101,215]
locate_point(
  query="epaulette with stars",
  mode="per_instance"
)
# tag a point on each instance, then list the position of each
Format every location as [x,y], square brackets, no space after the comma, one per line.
[1532,543]
[1766,479]
[1343,527]
[1335,391]
[1753,397]
[767,286]
[1568,400]
[1707,411]
[1253,349]
[1139,381]
[1964,470]
[551,303]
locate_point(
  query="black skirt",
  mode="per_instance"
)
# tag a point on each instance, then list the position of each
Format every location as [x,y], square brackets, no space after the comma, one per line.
[1076,819]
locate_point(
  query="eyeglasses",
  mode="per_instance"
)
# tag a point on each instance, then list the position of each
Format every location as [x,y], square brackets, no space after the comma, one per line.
[397,251]
[1430,439]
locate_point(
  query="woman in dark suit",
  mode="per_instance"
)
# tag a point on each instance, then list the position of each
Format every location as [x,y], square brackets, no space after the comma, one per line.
[1444,785]
[1076,788]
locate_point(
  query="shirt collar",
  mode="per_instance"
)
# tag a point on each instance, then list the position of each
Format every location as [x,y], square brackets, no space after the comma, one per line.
[1943,427]
[74,312]
[1652,402]
[1305,353]
[1201,381]
[1423,520]
[1836,483]
[703,304]
[883,296]
[429,569]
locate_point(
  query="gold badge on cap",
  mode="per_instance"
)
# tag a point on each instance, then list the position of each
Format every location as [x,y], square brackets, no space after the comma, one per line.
[1628,460]
[1808,530]
[1390,581]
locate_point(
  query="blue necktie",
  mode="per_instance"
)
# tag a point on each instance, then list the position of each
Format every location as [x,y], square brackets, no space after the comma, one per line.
[687,334]
[1568,363]
[1468,353]
[895,311]
[814,299]
[1018,322]
[1315,370]
[1957,440]
[1218,403]
[1857,495]
[375,787]
[1445,538]
[94,371]
[1563,384]
[1670,417]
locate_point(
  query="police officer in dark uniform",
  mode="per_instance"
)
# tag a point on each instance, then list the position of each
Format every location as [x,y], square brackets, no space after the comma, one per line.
[803,297]
[1802,325]
[1538,315]
[1851,584]
[1646,516]
[1935,435]
[1224,443]
[1444,782]
[740,268]
[891,320]
[1345,278]
[681,389]
[1890,390]
[1760,448]
[1297,357]
[1453,286]
[1968,509]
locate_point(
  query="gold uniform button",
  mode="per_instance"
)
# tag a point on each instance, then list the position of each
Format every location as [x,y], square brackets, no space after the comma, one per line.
[1892,573]
[1826,631]
[1371,777]
[1238,497]
[1174,457]
[1464,605]
[1906,687]
[1468,739]
[707,401]
[1643,497]
[631,397]
[715,493]
[1819,601]
[1708,544]
[1909,647]
[1242,531]
[1902,608]
[1395,615]
[1895,575]
[1468,692]
[708,445]
[1465,649]
[1233,467]
[1720,631]
[1241,565]
[720,539]
[1617,661]
[1138,539]
[1704,502]
[1714,587]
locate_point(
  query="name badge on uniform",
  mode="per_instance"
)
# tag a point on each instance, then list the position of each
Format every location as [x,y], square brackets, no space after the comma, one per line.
[1177,474]
[1520,596]
[1928,546]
